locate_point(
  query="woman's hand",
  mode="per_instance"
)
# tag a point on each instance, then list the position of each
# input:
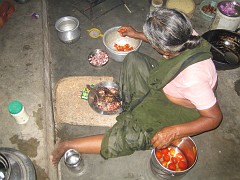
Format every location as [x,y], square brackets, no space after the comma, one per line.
[209,119]
[163,138]
[132,33]
[128,31]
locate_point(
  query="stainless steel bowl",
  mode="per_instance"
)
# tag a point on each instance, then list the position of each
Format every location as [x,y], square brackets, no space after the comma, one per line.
[97,62]
[92,95]
[5,167]
[187,147]
[68,29]
[72,157]
[111,37]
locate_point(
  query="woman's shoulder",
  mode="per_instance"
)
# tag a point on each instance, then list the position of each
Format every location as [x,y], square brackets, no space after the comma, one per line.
[199,72]
[202,66]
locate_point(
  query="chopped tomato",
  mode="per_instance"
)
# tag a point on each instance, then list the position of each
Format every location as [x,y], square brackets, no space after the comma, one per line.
[172,151]
[166,157]
[122,30]
[179,156]
[125,47]
[182,165]
[164,163]
[174,160]
[158,154]
[172,166]
[165,151]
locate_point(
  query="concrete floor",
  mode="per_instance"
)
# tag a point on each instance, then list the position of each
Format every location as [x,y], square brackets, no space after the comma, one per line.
[33,60]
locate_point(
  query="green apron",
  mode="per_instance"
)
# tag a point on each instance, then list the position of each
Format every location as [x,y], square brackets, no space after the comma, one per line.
[146,108]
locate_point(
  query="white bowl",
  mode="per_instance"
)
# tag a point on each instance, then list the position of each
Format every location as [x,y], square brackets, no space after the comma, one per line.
[112,37]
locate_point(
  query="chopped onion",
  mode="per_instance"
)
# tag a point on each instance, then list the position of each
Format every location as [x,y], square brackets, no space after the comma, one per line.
[98,59]
[228,8]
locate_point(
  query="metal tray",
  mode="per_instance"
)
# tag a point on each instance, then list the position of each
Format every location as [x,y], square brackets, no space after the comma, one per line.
[91,97]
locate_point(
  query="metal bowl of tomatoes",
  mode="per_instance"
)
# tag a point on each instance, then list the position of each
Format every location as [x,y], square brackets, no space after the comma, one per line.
[117,46]
[175,160]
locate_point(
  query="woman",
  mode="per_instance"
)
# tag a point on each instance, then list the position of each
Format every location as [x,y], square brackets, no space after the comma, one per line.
[163,100]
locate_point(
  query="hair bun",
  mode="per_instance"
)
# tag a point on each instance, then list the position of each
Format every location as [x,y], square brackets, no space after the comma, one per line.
[192,42]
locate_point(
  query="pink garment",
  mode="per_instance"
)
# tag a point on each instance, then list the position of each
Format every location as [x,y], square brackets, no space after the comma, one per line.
[196,84]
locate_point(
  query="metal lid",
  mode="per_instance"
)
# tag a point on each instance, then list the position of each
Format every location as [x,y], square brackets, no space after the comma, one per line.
[229,8]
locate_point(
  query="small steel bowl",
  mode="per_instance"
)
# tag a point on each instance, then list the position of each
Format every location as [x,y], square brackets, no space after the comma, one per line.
[94,58]
[72,157]
[92,95]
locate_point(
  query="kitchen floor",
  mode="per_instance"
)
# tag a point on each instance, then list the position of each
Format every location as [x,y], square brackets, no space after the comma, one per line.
[33,60]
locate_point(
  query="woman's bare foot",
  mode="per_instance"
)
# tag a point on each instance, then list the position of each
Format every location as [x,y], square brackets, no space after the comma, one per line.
[57,153]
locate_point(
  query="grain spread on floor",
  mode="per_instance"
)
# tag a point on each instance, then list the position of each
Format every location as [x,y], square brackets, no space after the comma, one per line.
[70,108]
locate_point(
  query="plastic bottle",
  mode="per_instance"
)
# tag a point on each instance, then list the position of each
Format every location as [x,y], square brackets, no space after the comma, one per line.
[16,109]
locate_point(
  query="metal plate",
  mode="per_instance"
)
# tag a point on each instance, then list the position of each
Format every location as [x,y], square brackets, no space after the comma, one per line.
[91,97]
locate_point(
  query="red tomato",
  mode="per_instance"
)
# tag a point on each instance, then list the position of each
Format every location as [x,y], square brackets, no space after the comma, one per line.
[158,154]
[179,156]
[122,30]
[165,151]
[125,47]
[174,160]
[172,166]
[164,163]
[166,157]
[182,165]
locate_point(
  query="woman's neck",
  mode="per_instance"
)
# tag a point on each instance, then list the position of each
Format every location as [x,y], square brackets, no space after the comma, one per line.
[171,55]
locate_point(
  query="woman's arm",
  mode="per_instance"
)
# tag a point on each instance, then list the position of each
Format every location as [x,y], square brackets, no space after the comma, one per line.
[209,119]
[131,32]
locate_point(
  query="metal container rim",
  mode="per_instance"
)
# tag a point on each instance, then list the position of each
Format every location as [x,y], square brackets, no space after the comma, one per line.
[67,152]
[65,18]
[177,172]
[230,16]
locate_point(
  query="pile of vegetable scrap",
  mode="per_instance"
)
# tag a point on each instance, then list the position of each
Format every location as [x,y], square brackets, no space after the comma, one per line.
[208,9]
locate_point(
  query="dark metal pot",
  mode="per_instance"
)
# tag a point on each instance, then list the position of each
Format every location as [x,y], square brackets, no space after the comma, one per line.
[22,1]
[225,41]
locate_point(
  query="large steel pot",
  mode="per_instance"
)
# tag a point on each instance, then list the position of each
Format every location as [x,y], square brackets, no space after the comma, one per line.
[225,41]
[68,29]
[187,147]
[21,165]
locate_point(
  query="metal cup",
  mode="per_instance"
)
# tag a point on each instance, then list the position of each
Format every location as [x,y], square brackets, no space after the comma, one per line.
[73,160]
